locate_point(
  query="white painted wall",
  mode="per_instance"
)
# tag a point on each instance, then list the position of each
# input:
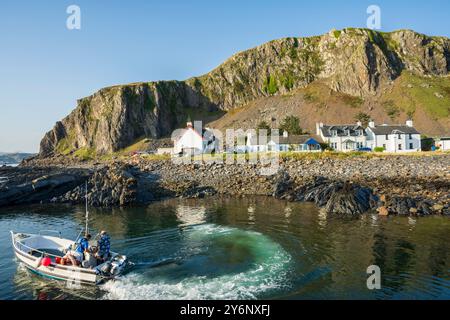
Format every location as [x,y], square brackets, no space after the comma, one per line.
[337,143]
[398,142]
[189,140]
[444,145]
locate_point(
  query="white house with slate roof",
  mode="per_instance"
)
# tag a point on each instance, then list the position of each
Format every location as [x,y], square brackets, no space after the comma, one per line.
[284,143]
[394,138]
[346,137]
[296,143]
[194,140]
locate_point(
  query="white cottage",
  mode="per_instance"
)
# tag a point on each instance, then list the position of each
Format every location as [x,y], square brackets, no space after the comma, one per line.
[296,143]
[345,137]
[443,143]
[284,143]
[193,140]
[394,138]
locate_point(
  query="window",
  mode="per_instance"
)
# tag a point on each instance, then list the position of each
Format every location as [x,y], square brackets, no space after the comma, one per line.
[384,146]
[411,146]
[387,137]
[399,135]
[400,146]
[410,136]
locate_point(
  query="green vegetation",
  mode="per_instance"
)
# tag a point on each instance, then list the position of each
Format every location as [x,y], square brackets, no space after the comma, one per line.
[391,109]
[64,146]
[410,91]
[352,101]
[141,144]
[198,84]
[364,118]
[291,124]
[337,33]
[288,79]
[85,154]
[134,98]
[325,146]
[390,43]
[378,149]
[270,85]
[314,64]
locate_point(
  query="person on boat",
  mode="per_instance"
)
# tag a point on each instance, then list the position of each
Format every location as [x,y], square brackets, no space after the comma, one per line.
[103,245]
[76,256]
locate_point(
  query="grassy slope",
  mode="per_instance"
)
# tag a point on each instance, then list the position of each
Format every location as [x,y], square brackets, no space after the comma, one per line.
[432,94]
[409,95]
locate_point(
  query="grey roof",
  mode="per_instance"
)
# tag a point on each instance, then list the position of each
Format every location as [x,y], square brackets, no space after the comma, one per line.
[294,139]
[392,129]
[205,134]
[341,129]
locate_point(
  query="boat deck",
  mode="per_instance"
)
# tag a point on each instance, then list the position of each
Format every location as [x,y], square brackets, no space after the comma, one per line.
[52,252]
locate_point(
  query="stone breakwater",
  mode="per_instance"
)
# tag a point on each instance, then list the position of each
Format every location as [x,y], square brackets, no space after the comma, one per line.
[404,185]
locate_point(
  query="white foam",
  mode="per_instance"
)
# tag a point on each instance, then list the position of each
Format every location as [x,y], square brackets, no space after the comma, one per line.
[251,284]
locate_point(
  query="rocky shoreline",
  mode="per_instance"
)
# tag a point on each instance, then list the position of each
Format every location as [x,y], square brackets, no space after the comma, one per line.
[349,186]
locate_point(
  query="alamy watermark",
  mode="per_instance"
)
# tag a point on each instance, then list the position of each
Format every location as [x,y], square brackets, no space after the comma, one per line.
[73,21]
[212,146]
[374,19]
[374,279]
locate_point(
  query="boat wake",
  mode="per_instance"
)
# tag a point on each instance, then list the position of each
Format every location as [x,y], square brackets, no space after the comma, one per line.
[207,262]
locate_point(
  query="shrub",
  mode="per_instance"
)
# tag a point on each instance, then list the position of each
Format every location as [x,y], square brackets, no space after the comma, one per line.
[270,85]
[291,124]
[378,149]
[363,117]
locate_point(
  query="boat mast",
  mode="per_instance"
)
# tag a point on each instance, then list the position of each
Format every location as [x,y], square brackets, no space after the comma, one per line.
[87,212]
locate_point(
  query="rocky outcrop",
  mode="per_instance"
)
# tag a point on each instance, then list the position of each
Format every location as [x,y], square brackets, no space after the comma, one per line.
[358,62]
[392,185]
[115,117]
[107,187]
[26,186]
[336,197]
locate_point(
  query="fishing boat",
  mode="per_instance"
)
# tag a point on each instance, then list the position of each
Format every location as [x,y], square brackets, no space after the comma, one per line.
[31,249]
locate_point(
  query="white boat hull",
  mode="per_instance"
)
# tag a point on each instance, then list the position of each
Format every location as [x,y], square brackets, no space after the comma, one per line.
[24,244]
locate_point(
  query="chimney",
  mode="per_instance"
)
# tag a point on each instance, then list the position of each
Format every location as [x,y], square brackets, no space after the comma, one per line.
[371,124]
[409,123]
[319,125]
[285,134]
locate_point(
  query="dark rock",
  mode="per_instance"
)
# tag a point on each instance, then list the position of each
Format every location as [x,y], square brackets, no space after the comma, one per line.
[283,186]
[350,200]
[39,189]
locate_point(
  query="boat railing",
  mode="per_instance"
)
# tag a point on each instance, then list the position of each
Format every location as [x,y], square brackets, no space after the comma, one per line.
[21,246]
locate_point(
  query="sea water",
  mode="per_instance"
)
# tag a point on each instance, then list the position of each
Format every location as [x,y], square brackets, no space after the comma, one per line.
[251,248]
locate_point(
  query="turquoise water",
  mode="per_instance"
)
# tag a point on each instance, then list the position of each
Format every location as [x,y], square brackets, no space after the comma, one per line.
[251,248]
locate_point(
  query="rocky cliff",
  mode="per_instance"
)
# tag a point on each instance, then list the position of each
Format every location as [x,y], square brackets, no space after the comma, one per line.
[356,62]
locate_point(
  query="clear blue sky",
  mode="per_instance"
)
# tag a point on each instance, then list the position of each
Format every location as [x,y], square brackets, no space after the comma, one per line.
[44,67]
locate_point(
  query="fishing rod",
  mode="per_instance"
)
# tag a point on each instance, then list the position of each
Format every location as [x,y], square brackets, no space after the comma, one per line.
[87,211]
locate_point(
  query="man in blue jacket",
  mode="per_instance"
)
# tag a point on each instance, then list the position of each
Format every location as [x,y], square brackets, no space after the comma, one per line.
[83,244]
[76,256]
[103,245]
